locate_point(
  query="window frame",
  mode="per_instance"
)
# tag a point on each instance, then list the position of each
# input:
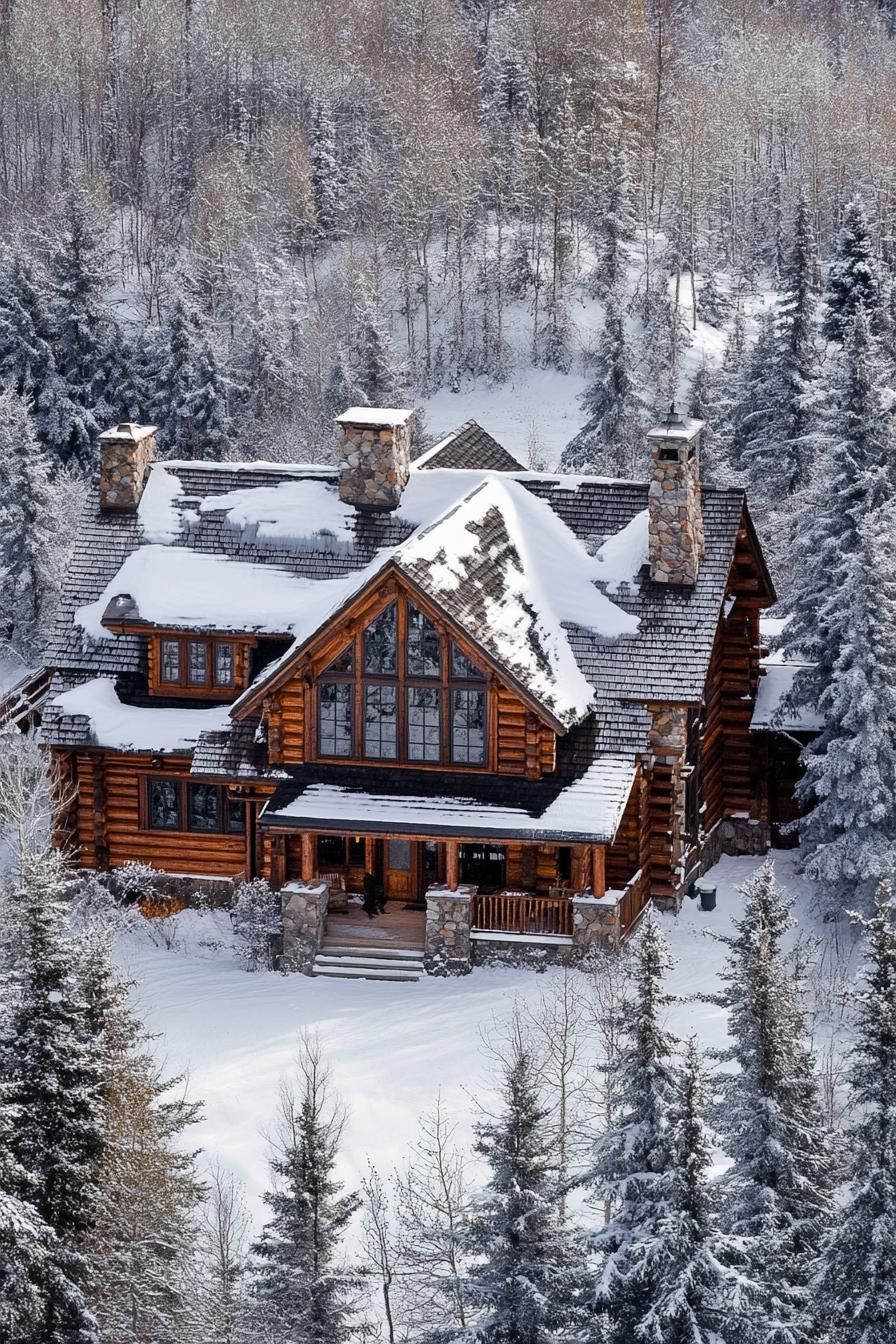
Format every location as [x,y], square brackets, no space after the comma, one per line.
[183,785]
[404,681]
[211,685]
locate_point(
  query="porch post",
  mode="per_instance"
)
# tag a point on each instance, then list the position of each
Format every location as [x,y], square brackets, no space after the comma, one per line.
[598,870]
[452,865]
[308,856]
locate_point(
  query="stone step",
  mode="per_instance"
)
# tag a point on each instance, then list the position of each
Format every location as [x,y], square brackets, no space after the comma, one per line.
[344,969]
[356,958]
[377,951]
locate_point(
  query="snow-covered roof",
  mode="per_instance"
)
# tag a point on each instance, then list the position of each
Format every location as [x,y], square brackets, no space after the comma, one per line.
[99,717]
[470,447]
[587,808]
[772,713]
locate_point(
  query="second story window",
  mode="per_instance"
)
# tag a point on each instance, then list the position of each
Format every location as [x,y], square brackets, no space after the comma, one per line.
[403,692]
[196,665]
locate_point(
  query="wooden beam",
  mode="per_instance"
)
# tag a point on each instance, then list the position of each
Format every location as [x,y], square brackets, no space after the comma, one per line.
[598,870]
[309,856]
[452,865]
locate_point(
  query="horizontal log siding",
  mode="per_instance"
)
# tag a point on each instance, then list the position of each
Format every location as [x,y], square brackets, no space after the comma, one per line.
[111,836]
[624,857]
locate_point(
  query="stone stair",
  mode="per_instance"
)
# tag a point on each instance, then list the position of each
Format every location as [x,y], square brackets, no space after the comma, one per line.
[366,961]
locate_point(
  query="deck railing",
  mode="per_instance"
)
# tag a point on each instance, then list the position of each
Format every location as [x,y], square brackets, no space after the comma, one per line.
[634,899]
[521,912]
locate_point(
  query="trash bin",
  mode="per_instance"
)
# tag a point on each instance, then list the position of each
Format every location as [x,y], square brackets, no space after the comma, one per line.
[707,897]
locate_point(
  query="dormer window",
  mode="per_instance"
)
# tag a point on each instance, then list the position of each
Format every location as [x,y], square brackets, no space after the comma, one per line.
[418,698]
[194,665]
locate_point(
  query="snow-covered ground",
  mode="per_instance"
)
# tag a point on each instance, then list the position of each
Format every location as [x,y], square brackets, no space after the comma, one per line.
[393,1047]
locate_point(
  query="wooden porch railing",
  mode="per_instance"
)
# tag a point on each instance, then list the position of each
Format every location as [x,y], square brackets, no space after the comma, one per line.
[634,899]
[521,912]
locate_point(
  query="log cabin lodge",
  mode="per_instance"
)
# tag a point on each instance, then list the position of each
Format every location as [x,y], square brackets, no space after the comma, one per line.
[521,702]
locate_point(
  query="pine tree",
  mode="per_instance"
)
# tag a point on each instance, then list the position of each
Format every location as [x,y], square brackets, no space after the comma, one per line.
[779,1190]
[523,1287]
[190,403]
[853,283]
[376,366]
[698,1295]
[27,338]
[300,1294]
[715,303]
[854,1296]
[617,220]
[205,408]
[327,178]
[849,833]
[634,1160]
[31,542]
[610,442]
[341,389]
[86,335]
[55,1083]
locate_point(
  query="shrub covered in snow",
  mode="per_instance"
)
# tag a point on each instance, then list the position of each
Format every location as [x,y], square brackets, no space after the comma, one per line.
[256,920]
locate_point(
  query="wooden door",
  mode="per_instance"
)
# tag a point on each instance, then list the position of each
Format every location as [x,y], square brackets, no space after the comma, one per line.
[399,870]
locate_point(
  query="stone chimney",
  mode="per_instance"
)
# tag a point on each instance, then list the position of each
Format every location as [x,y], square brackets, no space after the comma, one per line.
[126,454]
[376,457]
[675,515]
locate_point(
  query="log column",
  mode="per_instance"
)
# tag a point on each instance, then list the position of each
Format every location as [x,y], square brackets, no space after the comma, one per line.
[452,865]
[598,870]
[309,856]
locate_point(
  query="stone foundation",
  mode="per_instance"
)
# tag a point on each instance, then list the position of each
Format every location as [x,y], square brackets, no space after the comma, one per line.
[126,454]
[376,463]
[595,921]
[734,836]
[448,947]
[511,951]
[304,907]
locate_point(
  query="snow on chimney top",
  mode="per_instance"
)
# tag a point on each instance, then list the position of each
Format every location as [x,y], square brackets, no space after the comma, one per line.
[675,526]
[126,455]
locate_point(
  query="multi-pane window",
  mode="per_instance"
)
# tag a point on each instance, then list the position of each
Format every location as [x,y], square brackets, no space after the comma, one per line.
[424,646]
[336,712]
[197,665]
[381,722]
[402,691]
[170,660]
[182,805]
[468,726]
[424,723]
[223,663]
[381,644]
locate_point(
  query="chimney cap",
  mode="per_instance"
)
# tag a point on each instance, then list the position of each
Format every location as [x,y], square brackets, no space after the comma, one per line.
[381,416]
[128,432]
[676,426]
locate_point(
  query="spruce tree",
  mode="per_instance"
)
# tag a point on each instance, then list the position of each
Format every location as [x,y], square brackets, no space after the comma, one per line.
[854,1295]
[779,1189]
[27,341]
[376,365]
[341,389]
[610,442]
[26,1243]
[853,283]
[699,1294]
[30,530]
[855,455]
[524,1286]
[635,1159]
[849,832]
[300,1294]
[55,1084]
[86,335]
[189,402]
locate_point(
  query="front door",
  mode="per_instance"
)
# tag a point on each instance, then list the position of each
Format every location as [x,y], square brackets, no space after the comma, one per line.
[398,870]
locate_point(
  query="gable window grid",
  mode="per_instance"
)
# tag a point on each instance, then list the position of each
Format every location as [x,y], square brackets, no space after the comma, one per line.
[417,697]
[196,663]
[184,805]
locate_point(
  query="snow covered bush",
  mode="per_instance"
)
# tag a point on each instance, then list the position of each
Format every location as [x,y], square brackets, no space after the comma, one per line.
[256,920]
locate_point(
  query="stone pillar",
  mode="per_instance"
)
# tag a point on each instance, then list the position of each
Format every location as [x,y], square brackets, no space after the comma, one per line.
[376,457]
[304,906]
[126,454]
[448,945]
[675,526]
[595,921]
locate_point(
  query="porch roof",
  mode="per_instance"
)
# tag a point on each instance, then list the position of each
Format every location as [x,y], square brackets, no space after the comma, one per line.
[431,803]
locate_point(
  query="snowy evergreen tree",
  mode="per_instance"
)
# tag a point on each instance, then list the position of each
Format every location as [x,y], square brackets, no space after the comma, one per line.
[697,1294]
[855,455]
[616,221]
[665,337]
[300,1295]
[26,1243]
[256,918]
[853,283]
[610,443]
[779,1190]
[714,302]
[849,833]
[86,335]
[377,368]
[524,1285]
[190,405]
[55,1084]
[341,389]
[635,1159]
[31,540]
[854,1296]
[28,343]
[327,178]
[205,408]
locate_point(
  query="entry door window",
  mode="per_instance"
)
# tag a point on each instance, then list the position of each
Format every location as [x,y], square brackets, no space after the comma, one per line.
[399,855]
